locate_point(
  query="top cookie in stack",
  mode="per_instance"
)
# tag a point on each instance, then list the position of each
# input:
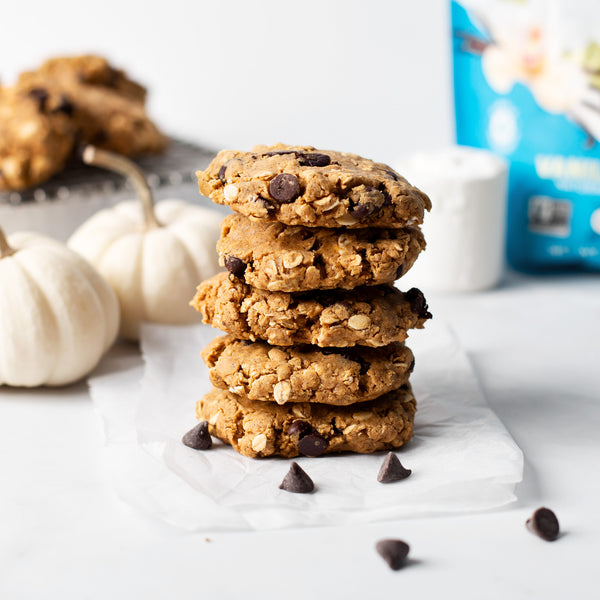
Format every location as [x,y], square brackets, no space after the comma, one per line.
[316,239]
[298,185]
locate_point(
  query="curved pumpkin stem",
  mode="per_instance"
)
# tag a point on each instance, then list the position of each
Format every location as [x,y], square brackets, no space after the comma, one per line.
[5,249]
[115,162]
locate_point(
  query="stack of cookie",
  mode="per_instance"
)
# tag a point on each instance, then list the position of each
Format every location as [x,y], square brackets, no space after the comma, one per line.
[314,359]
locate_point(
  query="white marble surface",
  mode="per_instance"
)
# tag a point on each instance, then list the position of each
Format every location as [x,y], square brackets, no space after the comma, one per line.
[533,342]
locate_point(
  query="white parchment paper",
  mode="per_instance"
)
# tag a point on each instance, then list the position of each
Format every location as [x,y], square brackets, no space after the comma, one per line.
[462,457]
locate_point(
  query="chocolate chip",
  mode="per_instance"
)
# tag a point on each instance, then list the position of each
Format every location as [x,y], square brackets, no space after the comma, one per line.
[336,430]
[235,266]
[362,210]
[300,428]
[267,204]
[418,304]
[393,175]
[312,445]
[392,470]
[543,523]
[387,199]
[313,159]
[394,552]
[284,187]
[40,95]
[222,174]
[297,481]
[65,106]
[198,438]
[399,271]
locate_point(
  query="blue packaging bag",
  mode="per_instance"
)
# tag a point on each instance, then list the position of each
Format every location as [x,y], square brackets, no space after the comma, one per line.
[527,87]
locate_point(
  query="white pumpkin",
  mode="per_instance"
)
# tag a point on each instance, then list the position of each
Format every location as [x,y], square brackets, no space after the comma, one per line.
[153,256]
[58,316]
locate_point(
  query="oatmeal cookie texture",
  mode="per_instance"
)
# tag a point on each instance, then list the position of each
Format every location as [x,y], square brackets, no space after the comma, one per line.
[259,371]
[276,257]
[366,316]
[260,429]
[300,185]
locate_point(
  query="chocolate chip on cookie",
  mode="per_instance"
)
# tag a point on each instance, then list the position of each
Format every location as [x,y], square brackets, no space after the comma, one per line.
[297,480]
[313,159]
[392,470]
[40,95]
[312,444]
[418,303]
[65,106]
[284,188]
[544,524]
[394,552]
[235,266]
[198,437]
[299,428]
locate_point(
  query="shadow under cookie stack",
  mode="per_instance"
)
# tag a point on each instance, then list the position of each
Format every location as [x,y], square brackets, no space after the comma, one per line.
[314,359]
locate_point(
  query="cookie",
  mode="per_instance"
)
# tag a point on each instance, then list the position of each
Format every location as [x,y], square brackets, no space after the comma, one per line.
[299,185]
[366,316]
[276,257]
[259,371]
[108,108]
[93,70]
[259,429]
[37,135]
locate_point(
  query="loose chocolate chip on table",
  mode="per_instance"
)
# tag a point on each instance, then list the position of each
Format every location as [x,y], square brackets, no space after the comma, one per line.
[313,159]
[198,438]
[312,444]
[297,480]
[543,523]
[284,187]
[394,552]
[301,428]
[235,266]
[418,303]
[41,95]
[392,469]
[222,173]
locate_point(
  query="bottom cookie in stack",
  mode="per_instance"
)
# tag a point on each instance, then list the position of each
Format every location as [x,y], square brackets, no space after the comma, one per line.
[259,429]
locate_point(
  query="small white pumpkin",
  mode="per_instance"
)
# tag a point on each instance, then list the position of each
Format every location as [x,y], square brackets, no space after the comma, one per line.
[58,316]
[154,256]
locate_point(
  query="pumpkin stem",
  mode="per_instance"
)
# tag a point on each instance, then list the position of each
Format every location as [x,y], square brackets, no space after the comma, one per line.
[115,162]
[5,249]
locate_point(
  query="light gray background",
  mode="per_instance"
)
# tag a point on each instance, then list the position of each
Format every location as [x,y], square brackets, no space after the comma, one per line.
[371,77]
